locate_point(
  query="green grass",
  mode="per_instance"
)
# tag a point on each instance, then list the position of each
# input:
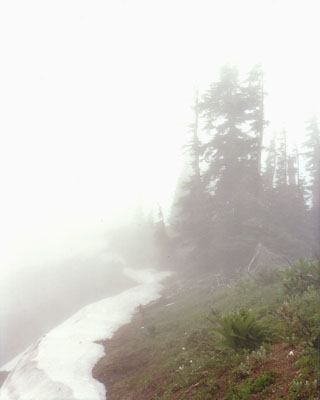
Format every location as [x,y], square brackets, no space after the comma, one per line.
[251,386]
[174,350]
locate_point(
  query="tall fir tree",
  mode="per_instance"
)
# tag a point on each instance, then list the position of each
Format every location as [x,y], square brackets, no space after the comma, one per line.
[281,172]
[254,96]
[191,223]
[268,176]
[232,155]
[163,248]
[285,213]
[229,205]
[312,155]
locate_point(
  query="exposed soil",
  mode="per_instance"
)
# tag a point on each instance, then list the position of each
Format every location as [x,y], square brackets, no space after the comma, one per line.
[117,364]
[278,361]
[117,368]
[124,367]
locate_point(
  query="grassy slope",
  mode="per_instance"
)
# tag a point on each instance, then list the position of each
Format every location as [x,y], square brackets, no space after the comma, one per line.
[167,351]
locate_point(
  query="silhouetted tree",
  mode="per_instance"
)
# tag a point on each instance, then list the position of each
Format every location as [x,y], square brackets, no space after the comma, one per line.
[230,201]
[254,97]
[270,167]
[191,223]
[285,212]
[312,155]
[163,247]
[233,114]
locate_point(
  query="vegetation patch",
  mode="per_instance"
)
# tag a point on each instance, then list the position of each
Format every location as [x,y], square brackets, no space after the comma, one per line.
[251,386]
[240,329]
[179,348]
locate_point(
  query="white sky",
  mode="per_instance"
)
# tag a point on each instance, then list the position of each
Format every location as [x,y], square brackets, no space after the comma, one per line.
[95,99]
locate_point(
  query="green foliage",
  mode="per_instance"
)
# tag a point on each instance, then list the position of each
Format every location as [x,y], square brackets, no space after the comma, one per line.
[243,370]
[300,318]
[240,330]
[246,367]
[266,276]
[183,349]
[300,276]
[229,201]
[251,386]
[259,355]
[187,382]
[308,364]
[301,389]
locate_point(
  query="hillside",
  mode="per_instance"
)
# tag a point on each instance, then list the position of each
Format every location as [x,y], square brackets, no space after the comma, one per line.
[171,349]
[59,365]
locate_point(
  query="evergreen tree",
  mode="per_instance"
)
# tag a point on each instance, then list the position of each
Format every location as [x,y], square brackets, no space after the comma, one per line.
[232,155]
[254,97]
[228,205]
[163,249]
[285,209]
[270,168]
[281,172]
[313,167]
[191,224]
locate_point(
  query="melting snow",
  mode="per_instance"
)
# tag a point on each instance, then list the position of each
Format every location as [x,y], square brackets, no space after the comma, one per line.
[59,366]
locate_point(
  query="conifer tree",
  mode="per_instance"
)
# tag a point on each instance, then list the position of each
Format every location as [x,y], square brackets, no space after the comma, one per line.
[270,167]
[191,223]
[312,155]
[228,205]
[254,97]
[281,173]
[162,243]
[286,212]
[231,154]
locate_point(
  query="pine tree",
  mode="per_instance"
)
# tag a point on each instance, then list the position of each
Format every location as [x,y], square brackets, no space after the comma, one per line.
[313,167]
[191,224]
[232,155]
[270,167]
[285,209]
[162,244]
[228,205]
[281,173]
[254,96]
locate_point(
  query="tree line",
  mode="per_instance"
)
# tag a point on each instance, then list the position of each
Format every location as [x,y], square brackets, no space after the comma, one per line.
[241,191]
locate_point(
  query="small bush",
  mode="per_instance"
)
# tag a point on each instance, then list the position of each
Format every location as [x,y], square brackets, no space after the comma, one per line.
[251,386]
[300,318]
[266,276]
[309,362]
[303,389]
[243,370]
[300,276]
[240,330]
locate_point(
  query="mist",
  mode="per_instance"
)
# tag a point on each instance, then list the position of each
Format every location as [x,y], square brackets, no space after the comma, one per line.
[113,149]
[38,298]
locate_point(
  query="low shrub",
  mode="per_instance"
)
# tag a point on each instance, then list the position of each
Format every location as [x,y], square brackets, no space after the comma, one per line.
[266,276]
[251,386]
[240,330]
[300,318]
[300,276]
[308,364]
[301,389]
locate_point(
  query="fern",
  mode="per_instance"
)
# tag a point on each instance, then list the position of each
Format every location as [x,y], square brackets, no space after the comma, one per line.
[240,330]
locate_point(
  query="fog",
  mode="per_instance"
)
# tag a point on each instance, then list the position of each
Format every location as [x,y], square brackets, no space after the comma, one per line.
[95,105]
[39,298]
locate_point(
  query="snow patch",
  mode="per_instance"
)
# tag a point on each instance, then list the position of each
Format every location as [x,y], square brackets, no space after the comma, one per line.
[59,366]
